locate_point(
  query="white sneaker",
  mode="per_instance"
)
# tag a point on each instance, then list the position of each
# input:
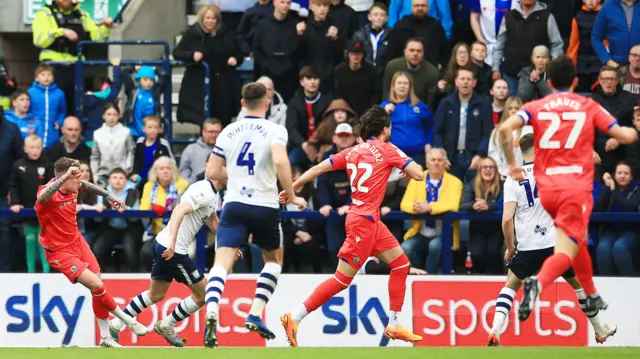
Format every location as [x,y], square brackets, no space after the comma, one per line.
[167,330]
[137,328]
[608,331]
[109,342]
[115,326]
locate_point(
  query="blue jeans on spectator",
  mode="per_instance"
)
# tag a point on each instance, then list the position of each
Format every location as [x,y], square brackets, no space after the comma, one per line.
[5,241]
[424,252]
[486,251]
[336,234]
[299,158]
[615,252]
[513,82]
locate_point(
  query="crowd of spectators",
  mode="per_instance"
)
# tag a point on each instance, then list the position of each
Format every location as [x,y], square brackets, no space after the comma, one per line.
[446,71]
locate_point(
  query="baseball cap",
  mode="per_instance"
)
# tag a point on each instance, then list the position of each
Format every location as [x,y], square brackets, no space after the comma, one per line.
[355,46]
[344,129]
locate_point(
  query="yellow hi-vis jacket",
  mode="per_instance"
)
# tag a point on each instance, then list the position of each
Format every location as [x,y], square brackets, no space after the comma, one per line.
[46,31]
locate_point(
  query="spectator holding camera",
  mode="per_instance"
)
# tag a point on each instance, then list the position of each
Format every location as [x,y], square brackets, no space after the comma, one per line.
[618,244]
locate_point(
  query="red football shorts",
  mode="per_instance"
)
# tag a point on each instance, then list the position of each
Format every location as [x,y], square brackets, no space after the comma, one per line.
[365,238]
[73,259]
[570,210]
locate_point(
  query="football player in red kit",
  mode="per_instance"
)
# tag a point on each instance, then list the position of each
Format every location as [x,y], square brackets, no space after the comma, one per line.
[564,126]
[369,165]
[66,249]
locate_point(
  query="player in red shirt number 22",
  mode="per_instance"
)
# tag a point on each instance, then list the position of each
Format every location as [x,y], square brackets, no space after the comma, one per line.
[564,126]
[369,165]
[66,249]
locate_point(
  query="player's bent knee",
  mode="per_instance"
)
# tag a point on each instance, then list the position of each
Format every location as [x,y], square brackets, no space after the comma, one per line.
[90,280]
[400,265]
[156,297]
[343,279]
[513,282]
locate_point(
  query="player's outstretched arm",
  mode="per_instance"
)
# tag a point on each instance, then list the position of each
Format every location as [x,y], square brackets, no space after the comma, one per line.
[508,228]
[505,135]
[312,173]
[177,215]
[45,195]
[216,169]
[114,201]
[414,171]
[624,135]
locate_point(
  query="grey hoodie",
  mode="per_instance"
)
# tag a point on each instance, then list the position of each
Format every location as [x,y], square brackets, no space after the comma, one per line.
[555,40]
[193,160]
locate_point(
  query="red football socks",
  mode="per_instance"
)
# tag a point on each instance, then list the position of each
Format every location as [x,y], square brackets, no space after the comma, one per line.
[326,290]
[103,298]
[584,270]
[553,268]
[398,282]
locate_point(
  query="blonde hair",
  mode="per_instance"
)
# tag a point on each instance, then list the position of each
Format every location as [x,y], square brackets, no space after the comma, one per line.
[508,103]
[163,160]
[152,118]
[32,138]
[216,12]
[392,93]
[481,189]
[540,48]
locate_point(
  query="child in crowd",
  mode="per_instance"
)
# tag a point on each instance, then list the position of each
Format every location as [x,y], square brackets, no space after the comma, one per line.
[374,36]
[148,150]
[48,104]
[482,69]
[20,115]
[27,175]
[104,91]
[580,50]
[141,99]
[112,145]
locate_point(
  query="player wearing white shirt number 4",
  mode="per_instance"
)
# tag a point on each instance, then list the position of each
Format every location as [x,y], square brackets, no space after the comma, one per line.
[171,261]
[524,216]
[247,157]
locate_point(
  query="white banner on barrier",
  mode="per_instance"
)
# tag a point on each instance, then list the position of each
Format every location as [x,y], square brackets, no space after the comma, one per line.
[47,311]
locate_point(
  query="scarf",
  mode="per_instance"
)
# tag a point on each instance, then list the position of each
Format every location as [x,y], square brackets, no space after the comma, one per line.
[432,196]
[172,195]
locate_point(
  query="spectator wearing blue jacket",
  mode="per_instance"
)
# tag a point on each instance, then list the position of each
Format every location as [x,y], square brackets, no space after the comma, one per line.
[48,104]
[411,119]
[438,9]
[143,100]
[20,115]
[619,23]
[104,91]
[463,126]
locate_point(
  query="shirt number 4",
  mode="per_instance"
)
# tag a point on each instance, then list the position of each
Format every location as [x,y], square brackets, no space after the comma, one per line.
[246,159]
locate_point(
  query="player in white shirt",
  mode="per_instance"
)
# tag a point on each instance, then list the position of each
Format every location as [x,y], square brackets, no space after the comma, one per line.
[171,261]
[247,157]
[535,232]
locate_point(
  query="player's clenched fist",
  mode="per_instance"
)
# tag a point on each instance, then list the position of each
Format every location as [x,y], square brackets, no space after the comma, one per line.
[73,172]
[299,201]
[117,204]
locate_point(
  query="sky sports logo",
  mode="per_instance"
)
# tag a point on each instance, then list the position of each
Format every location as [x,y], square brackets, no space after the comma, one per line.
[35,313]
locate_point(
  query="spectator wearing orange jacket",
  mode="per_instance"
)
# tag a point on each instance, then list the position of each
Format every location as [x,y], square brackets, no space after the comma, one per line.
[580,50]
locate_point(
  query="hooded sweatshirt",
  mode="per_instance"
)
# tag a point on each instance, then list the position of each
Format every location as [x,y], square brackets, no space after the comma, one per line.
[144,103]
[193,159]
[112,147]
[28,124]
[131,198]
[49,106]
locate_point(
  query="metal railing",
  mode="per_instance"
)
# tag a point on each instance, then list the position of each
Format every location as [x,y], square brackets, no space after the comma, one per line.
[448,220]
[165,62]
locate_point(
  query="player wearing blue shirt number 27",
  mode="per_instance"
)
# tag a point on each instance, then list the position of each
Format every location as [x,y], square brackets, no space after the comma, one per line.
[248,156]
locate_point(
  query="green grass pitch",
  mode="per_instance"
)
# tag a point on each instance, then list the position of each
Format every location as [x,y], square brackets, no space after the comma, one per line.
[324,353]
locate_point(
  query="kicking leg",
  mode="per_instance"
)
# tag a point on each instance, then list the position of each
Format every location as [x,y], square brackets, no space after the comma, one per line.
[602,331]
[225,258]
[503,307]
[325,291]
[399,264]
[565,250]
[265,287]
[183,310]
[139,303]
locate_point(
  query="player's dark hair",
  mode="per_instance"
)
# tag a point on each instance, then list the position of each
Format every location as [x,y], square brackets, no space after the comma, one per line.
[62,165]
[526,143]
[373,122]
[561,72]
[252,94]
[117,170]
